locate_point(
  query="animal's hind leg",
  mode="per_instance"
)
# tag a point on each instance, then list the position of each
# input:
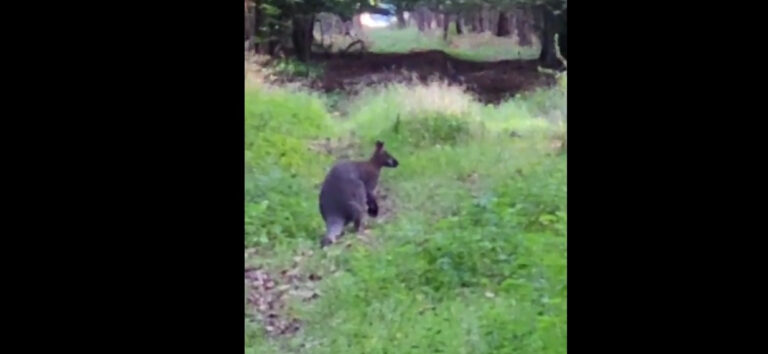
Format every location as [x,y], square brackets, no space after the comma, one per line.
[359,207]
[334,229]
[358,223]
[373,207]
[357,217]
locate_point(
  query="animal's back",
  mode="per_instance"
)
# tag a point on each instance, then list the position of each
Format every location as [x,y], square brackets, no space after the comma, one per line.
[343,193]
[348,192]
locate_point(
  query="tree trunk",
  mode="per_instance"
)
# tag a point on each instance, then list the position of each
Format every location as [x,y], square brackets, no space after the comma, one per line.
[247,28]
[513,24]
[485,18]
[322,33]
[502,27]
[400,18]
[302,36]
[523,28]
[358,23]
[459,29]
[440,18]
[550,24]
[446,25]
[272,46]
[420,18]
[493,20]
[257,20]
[563,39]
[259,29]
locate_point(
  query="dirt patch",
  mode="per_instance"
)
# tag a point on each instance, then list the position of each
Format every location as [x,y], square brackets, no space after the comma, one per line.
[267,294]
[490,81]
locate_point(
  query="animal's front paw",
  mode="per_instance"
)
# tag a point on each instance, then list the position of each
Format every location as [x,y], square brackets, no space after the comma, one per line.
[373,210]
[325,242]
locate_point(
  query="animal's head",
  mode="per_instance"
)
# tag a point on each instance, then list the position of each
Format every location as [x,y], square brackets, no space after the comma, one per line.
[382,158]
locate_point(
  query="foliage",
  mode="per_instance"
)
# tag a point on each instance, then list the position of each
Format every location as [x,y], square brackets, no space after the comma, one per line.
[295,68]
[280,170]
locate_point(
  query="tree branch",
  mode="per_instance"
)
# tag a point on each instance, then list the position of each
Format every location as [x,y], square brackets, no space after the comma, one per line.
[357,41]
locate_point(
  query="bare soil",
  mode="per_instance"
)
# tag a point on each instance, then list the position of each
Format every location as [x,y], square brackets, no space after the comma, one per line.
[490,81]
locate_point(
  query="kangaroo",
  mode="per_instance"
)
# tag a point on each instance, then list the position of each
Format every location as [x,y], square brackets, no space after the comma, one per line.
[348,191]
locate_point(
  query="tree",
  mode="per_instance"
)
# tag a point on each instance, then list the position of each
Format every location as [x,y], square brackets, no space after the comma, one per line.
[523,26]
[300,14]
[273,20]
[455,10]
[260,24]
[550,18]
[247,29]
[401,6]
[502,27]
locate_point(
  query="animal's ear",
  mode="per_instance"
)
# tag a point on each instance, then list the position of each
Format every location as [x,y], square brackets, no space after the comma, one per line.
[379,145]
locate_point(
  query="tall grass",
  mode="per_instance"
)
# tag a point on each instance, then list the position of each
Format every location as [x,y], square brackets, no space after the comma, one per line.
[381,112]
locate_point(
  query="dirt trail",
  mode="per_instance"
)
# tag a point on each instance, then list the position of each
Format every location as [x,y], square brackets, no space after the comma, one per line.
[490,81]
[267,293]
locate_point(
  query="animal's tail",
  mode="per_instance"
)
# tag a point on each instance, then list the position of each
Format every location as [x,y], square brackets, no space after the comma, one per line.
[333,229]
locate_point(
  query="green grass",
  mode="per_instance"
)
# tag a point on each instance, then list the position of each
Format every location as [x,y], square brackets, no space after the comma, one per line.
[473,257]
[280,171]
[295,68]
[470,46]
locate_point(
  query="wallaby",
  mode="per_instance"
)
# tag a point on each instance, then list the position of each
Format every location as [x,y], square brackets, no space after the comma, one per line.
[348,191]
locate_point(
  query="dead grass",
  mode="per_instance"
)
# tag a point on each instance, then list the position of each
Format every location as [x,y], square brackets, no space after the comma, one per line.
[257,74]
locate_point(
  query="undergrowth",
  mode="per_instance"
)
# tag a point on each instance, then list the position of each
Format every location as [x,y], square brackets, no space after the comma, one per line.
[294,68]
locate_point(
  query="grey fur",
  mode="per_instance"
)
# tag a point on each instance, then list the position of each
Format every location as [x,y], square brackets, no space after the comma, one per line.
[342,200]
